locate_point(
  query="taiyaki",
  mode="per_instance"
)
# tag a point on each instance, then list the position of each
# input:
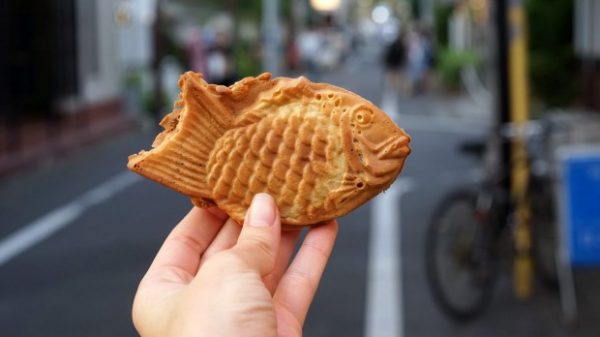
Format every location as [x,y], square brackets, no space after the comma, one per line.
[319,150]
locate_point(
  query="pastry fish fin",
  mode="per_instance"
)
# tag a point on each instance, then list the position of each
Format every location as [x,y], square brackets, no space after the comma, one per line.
[244,93]
[180,153]
[281,92]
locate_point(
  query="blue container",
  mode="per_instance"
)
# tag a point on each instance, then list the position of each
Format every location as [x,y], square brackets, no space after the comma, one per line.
[580,204]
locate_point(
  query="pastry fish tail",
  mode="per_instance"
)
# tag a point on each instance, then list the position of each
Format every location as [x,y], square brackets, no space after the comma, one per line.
[180,153]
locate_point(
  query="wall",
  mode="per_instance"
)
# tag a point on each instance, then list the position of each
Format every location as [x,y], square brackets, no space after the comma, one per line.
[587,47]
[99,67]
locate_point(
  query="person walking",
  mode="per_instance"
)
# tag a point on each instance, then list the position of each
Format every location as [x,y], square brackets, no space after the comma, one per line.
[394,60]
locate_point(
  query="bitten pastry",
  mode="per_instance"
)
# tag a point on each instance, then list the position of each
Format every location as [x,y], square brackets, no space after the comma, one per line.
[319,150]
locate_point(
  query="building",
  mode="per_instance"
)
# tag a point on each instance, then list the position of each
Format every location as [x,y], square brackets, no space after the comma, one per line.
[58,56]
[62,65]
[587,49]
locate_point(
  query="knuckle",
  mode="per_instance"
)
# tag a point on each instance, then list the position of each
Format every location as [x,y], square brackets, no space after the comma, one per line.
[190,242]
[255,252]
[301,279]
[224,261]
[260,246]
[317,248]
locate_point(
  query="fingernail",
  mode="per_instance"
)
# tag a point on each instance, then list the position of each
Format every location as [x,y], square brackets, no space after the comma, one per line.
[262,211]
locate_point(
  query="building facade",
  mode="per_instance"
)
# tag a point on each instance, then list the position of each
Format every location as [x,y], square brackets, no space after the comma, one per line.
[587,49]
[60,56]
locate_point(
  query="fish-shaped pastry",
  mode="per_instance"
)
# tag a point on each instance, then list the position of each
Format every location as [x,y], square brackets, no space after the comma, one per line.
[319,150]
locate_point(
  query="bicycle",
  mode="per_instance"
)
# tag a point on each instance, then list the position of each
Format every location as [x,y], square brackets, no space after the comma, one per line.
[470,231]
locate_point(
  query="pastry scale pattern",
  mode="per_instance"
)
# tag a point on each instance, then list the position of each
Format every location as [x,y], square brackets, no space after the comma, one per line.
[318,149]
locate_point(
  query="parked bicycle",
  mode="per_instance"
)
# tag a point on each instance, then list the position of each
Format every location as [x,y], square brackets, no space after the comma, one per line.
[469,238]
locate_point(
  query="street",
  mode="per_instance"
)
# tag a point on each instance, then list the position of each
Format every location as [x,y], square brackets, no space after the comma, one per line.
[80,280]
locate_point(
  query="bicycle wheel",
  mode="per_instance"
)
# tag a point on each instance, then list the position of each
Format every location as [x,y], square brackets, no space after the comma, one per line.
[459,257]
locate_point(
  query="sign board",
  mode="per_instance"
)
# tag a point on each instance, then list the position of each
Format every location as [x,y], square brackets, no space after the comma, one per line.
[580,204]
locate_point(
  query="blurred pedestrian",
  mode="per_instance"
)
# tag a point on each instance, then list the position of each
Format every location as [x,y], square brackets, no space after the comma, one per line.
[430,59]
[213,277]
[309,42]
[417,61]
[333,49]
[394,60]
[220,68]
[195,51]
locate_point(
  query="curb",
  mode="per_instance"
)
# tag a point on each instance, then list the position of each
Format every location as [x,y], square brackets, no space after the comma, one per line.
[63,145]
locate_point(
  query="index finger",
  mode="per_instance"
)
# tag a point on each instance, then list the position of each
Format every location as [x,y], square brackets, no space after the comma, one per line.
[299,283]
[179,257]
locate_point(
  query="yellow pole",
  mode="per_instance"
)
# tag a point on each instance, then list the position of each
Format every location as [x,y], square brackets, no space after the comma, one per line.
[519,115]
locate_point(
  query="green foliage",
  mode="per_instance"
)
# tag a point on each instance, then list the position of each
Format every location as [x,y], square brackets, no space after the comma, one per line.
[174,49]
[552,62]
[415,8]
[443,11]
[452,62]
[246,61]
[249,9]
[133,79]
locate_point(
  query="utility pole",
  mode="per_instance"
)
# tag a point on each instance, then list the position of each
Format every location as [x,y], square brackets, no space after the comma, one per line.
[513,110]
[519,116]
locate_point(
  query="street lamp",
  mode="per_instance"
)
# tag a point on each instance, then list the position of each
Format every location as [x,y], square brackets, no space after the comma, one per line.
[380,14]
[325,5]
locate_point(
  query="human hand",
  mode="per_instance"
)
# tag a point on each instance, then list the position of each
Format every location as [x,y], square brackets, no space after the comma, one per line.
[213,277]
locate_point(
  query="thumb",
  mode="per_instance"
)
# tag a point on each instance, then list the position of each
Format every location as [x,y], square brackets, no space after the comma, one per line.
[258,242]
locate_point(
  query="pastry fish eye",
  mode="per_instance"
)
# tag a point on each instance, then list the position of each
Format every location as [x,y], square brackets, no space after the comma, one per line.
[363,117]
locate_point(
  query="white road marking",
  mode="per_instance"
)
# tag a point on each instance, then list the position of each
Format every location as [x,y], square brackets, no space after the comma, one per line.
[384,312]
[389,103]
[46,225]
[384,315]
[384,303]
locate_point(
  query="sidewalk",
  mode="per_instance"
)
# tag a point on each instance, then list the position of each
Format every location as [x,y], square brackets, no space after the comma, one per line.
[36,140]
[446,107]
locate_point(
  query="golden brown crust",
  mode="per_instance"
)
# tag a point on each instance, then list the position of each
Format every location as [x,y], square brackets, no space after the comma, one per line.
[291,155]
[179,154]
[318,149]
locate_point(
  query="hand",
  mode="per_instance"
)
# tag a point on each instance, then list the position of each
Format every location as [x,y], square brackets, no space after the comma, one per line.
[213,277]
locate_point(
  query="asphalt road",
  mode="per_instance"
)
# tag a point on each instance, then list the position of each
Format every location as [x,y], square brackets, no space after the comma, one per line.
[80,281]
